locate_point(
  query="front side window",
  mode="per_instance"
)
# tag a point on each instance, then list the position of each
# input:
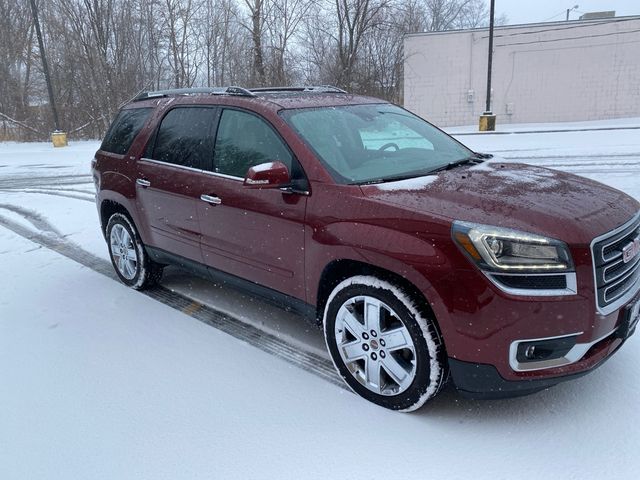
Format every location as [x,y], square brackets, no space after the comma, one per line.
[374,143]
[185,137]
[124,130]
[245,140]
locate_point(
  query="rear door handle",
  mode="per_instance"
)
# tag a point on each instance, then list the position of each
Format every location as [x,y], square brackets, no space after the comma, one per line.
[212,199]
[143,183]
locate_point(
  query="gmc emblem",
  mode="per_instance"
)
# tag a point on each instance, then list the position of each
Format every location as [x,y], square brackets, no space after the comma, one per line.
[631,249]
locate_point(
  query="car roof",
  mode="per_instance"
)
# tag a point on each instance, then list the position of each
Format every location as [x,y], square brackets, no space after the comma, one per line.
[274,99]
[287,100]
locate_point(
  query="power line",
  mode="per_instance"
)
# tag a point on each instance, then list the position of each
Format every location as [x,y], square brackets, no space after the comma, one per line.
[570,27]
[568,38]
[556,15]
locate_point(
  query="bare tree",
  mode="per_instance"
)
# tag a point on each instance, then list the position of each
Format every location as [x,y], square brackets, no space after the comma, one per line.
[283,22]
[102,52]
[255,27]
[355,19]
[178,16]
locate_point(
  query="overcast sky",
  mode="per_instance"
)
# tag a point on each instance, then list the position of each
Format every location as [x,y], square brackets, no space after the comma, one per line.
[532,11]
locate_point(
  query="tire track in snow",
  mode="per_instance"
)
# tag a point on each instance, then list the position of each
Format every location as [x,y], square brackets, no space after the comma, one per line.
[34,218]
[595,156]
[24,181]
[588,164]
[49,237]
[56,193]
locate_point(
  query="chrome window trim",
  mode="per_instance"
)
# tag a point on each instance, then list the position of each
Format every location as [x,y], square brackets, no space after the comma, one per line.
[305,193]
[576,353]
[570,277]
[633,290]
[191,169]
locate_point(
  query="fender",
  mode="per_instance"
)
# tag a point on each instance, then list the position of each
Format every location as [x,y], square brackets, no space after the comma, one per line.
[374,246]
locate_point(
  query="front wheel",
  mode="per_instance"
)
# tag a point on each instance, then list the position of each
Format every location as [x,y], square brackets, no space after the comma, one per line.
[128,256]
[384,348]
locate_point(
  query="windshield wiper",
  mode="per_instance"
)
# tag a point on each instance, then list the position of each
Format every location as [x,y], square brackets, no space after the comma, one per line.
[397,178]
[472,159]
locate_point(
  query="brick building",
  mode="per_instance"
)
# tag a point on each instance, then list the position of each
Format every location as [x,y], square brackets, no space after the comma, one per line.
[546,72]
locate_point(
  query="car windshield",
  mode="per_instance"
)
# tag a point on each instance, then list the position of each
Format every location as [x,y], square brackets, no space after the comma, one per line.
[374,143]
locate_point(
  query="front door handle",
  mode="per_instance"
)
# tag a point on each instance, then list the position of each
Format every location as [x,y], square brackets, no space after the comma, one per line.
[212,199]
[143,183]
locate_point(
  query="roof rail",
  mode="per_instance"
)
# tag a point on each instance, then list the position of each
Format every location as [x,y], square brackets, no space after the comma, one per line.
[302,89]
[195,91]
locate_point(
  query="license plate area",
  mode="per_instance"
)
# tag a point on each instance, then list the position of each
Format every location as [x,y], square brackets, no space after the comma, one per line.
[630,318]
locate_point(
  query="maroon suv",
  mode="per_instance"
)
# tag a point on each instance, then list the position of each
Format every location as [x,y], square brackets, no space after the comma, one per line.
[418,257]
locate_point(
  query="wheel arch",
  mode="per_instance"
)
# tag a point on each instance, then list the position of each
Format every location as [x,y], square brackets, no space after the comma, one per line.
[107,209]
[338,270]
[111,202]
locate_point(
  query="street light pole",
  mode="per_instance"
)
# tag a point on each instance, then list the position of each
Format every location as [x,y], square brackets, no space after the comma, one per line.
[489,63]
[488,119]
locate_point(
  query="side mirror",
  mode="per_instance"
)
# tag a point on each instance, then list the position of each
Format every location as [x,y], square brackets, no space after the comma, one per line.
[267,175]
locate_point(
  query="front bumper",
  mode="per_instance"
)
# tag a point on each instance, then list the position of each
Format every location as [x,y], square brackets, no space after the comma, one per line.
[483,381]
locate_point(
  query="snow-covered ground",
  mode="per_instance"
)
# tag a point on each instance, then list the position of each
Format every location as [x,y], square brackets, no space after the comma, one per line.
[99,381]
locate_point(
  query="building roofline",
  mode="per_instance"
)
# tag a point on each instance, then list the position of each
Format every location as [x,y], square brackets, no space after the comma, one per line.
[561,23]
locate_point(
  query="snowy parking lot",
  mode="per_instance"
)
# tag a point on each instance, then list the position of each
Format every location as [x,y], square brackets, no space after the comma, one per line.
[199,381]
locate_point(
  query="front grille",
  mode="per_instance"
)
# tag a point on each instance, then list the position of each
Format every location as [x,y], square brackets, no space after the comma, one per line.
[615,279]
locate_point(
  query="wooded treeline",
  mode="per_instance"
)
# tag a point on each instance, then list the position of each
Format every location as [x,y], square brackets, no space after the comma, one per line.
[102,52]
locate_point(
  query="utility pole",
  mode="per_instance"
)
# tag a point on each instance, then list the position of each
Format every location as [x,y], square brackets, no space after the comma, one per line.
[45,65]
[488,119]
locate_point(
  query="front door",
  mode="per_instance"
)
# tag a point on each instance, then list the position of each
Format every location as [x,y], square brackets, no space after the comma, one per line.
[254,234]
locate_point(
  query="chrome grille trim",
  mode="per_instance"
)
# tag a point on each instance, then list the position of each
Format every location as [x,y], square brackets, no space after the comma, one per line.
[633,276]
[607,296]
[632,266]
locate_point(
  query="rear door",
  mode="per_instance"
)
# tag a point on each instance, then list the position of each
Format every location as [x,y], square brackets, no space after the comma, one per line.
[170,178]
[254,234]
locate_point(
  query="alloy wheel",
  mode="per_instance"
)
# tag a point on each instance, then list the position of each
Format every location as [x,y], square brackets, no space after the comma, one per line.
[123,251]
[375,345]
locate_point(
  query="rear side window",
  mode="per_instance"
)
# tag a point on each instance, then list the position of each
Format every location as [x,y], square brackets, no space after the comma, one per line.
[245,140]
[124,130]
[185,137]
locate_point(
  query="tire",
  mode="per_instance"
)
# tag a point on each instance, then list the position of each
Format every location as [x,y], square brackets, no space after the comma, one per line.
[135,269]
[394,359]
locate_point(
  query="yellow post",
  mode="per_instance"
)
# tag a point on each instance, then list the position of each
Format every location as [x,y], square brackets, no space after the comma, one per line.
[59,138]
[487,122]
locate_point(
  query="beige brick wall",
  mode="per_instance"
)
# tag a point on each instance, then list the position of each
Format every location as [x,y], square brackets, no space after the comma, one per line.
[553,72]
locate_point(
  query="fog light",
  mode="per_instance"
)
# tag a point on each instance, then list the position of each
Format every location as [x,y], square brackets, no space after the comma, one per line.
[544,349]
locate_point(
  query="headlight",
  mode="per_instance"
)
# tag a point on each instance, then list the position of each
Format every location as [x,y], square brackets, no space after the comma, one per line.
[505,250]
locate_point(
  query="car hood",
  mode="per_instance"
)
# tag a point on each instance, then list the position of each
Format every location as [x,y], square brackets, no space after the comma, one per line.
[524,197]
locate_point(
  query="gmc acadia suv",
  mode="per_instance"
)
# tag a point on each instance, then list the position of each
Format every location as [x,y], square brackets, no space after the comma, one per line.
[420,258]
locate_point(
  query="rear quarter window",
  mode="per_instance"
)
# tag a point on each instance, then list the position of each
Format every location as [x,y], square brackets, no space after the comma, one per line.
[124,130]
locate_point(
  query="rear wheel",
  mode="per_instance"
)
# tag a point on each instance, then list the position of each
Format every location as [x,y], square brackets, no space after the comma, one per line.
[384,348]
[128,256]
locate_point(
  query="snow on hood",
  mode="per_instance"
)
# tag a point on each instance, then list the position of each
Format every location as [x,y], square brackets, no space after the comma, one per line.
[417,183]
[513,195]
